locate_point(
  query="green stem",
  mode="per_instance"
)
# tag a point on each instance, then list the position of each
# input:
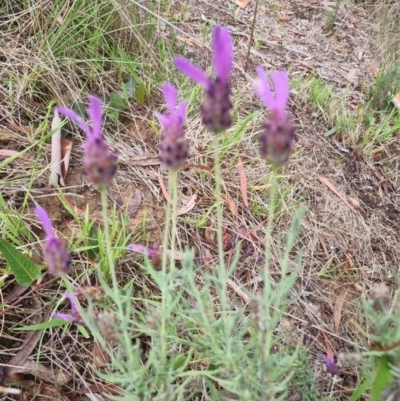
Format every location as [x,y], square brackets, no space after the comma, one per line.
[221,254]
[166,229]
[217,168]
[111,268]
[174,200]
[265,304]
[164,289]
[268,235]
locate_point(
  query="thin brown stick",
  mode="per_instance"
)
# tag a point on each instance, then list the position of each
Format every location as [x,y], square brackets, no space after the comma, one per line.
[251,36]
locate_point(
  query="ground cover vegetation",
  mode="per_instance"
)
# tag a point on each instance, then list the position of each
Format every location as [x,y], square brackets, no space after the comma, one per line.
[199,201]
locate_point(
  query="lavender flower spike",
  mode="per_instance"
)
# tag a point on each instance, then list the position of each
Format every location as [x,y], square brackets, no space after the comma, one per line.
[56,255]
[173,147]
[217,106]
[277,138]
[99,160]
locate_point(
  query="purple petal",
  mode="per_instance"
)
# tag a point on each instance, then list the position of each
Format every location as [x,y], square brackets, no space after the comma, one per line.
[76,119]
[66,317]
[164,120]
[331,366]
[181,111]
[193,72]
[71,297]
[170,95]
[45,220]
[94,112]
[281,85]
[137,247]
[261,86]
[223,57]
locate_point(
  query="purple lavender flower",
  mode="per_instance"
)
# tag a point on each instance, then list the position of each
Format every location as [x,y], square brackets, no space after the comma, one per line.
[277,138]
[153,252]
[216,108]
[331,366]
[173,147]
[99,161]
[75,317]
[56,255]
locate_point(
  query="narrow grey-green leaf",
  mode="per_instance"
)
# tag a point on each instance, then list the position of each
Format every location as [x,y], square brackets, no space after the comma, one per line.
[25,271]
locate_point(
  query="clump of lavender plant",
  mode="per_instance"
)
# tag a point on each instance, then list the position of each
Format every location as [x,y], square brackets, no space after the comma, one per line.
[173,146]
[217,106]
[277,138]
[100,163]
[55,253]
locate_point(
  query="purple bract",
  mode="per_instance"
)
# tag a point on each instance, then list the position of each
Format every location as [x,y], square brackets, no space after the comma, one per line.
[173,146]
[331,366]
[217,106]
[153,252]
[100,163]
[278,133]
[55,253]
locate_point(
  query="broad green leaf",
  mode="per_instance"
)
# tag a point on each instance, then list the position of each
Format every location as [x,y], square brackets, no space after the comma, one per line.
[44,325]
[25,271]
[116,102]
[382,378]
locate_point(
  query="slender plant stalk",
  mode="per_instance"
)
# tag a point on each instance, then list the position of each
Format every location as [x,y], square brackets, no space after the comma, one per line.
[217,169]
[264,307]
[164,288]
[117,295]
[167,227]
[174,190]
[111,267]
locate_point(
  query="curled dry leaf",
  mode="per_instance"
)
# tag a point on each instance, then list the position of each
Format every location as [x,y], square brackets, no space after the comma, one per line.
[162,186]
[6,153]
[66,148]
[210,235]
[357,206]
[135,203]
[231,204]
[189,206]
[336,192]
[241,3]
[60,378]
[56,176]
[60,153]
[238,291]
[337,313]
[329,350]
[19,128]
[358,287]
[100,357]
[243,182]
